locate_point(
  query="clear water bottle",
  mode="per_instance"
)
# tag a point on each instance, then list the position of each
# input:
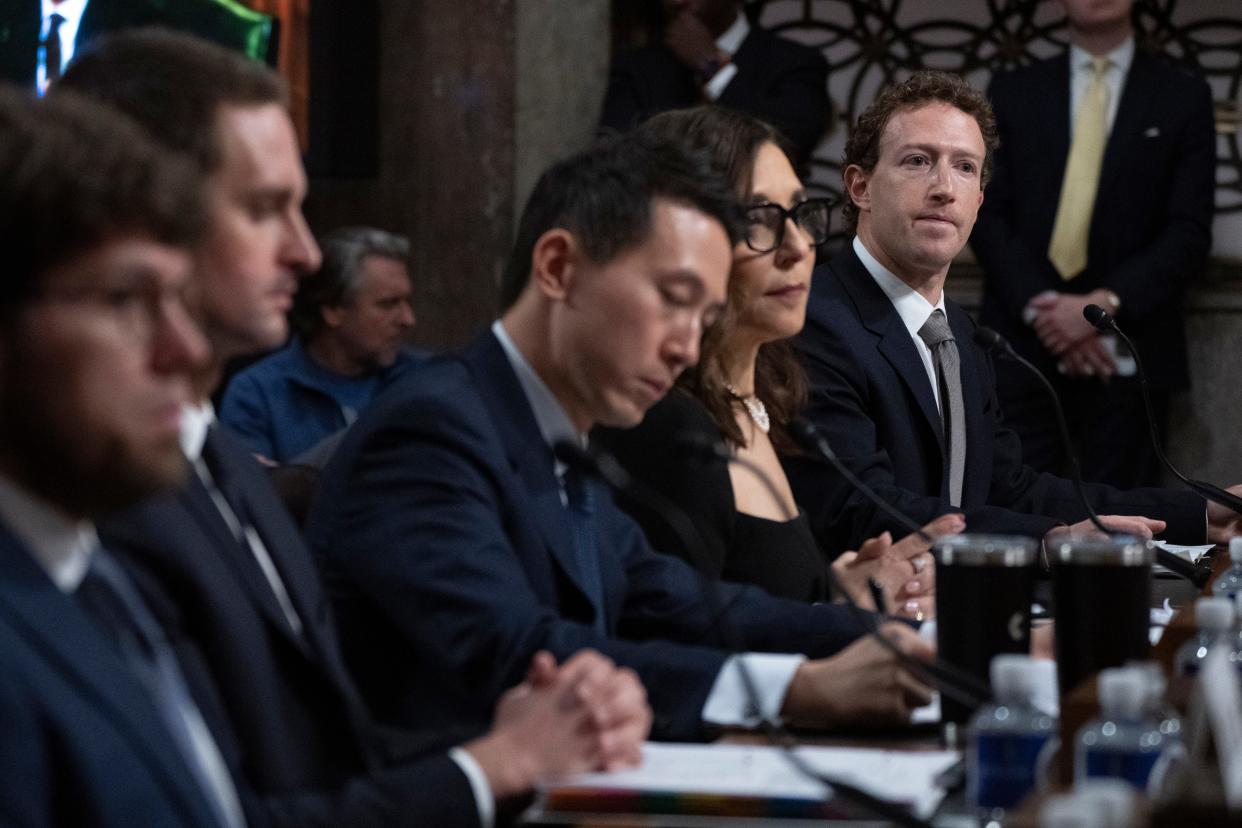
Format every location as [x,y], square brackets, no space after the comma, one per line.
[1157,705]
[1229,584]
[1214,618]
[1125,742]
[1007,739]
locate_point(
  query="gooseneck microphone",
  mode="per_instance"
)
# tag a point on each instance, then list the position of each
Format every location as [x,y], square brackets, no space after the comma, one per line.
[992,341]
[807,435]
[1104,321]
[605,467]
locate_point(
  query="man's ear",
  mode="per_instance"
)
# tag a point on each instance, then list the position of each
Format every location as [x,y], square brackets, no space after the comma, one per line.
[856,189]
[554,261]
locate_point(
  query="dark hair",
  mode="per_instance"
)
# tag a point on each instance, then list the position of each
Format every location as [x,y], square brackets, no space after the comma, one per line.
[74,174]
[338,276]
[923,87]
[732,141]
[604,194]
[173,84]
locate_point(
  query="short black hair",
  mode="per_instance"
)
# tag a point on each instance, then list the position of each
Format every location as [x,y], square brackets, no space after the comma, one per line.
[604,194]
[74,174]
[173,84]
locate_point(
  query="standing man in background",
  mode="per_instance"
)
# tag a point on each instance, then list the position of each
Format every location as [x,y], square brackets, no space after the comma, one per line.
[1102,194]
[711,53]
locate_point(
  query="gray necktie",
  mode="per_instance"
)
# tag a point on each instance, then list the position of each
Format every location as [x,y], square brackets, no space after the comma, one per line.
[939,338]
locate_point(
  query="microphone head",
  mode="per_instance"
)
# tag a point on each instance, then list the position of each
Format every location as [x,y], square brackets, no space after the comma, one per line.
[988,339]
[1098,317]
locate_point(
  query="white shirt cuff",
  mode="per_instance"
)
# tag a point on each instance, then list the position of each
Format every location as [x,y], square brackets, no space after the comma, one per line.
[715,87]
[728,703]
[483,799]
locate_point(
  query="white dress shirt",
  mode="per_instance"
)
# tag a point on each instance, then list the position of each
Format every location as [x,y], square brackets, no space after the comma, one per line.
[727,703]
[71,12]
[911,306]
[1081,73]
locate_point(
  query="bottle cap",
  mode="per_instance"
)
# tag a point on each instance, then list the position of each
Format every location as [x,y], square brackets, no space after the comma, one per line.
[1154,680]
[1069,811]
[1114,800]
[1123,693]
[1011,679]
[1235,549]
[1214,614]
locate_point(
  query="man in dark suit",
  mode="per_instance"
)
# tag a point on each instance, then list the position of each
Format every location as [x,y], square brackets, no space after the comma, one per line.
[243,585]
[31,56]
[446,493]
[921,425]
[710,52]
[98,725]
[1127,232]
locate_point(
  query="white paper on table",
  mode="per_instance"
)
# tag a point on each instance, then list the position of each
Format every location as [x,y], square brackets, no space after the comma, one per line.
[760,771]
[1186,553]
[1160,618]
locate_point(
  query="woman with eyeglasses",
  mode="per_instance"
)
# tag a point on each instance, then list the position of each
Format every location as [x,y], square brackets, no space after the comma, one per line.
[746,389]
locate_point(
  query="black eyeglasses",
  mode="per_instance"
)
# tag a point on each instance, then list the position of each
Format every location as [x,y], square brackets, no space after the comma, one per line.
[765,223]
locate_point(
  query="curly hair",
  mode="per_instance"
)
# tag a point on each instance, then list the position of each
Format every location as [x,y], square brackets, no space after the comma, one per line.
[924,87]
[732,141]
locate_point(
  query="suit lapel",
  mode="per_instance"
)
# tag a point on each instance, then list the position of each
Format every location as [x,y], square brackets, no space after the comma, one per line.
[529,456]
[198,502]
[1136,97]
[58,627]
[892,339]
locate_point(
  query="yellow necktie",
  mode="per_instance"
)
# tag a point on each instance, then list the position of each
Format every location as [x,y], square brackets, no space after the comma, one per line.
[1068,248]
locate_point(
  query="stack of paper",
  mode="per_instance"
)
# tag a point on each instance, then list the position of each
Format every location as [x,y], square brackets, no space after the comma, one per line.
[751,781]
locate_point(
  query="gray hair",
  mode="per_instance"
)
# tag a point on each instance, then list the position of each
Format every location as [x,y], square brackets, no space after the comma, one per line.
[337,278]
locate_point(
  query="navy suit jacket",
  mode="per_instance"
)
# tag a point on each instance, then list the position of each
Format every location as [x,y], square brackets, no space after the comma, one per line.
[441,523]
[307,742]
[872,400]
[780,81]
[81,742]
[1151,227]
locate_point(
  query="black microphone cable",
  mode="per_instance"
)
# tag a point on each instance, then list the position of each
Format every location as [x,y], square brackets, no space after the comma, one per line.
[604,466]
[992,341]
[1104,321]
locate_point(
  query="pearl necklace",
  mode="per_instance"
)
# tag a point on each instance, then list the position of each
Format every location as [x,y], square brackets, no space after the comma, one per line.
[754,407]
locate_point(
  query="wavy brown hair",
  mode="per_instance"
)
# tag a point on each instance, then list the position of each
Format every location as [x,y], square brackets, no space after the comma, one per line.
[927,86]
[732,140]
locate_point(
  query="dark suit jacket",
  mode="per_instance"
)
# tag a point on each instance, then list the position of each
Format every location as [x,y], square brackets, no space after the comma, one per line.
[872,400]
[80,741]
[306,739]
[1151,228]
[441,522]
[778,80]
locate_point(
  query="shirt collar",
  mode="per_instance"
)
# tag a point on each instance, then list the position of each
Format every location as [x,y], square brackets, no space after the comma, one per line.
[70,10]
[1121,57]
[554,424]
[911,306]
[731,39]
[195,420]
[61,545]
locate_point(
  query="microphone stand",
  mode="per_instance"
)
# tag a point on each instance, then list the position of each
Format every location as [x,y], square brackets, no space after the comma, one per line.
[605,467]
[992,341]
[1104,321]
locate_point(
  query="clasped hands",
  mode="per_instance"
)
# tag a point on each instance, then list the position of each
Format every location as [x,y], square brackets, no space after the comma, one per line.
[1058,322]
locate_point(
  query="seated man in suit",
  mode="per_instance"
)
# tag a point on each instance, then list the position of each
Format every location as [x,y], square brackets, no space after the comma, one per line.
[97,726]
[446,493]
[898,385]
[243,585]
[351,319]
[710,52]
[1102,194]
